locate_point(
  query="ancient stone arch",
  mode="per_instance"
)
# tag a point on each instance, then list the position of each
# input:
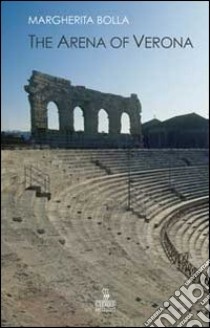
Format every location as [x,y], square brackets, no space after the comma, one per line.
[52,116]
[78,114]
[125,117]
[44,88]
[103,115]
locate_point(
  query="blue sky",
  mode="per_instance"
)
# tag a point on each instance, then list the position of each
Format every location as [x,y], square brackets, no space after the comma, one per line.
[168,82]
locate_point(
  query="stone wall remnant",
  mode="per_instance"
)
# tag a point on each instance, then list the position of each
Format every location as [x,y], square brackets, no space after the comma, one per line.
[44,88]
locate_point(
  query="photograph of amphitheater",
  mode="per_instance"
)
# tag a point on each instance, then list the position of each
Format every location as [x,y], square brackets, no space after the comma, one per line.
[104,189]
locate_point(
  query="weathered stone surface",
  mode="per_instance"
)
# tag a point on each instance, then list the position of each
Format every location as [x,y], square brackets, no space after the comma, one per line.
[44,88]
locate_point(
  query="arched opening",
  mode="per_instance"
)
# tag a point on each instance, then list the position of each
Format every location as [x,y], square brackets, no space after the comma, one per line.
[78,120]
[125,123]
[52,116]
[103,121]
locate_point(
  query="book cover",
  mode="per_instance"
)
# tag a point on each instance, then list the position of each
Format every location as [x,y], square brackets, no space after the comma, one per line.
[105,163]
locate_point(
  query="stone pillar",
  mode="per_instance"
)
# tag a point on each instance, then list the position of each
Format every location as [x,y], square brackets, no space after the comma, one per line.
[90,120]
[114,122]
[135,124]
[38,113]
[135,118]
[66,116]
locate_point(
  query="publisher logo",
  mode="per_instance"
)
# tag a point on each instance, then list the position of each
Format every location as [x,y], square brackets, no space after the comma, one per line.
[105,305]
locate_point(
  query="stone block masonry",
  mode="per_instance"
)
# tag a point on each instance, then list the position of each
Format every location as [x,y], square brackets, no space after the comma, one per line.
[44,88]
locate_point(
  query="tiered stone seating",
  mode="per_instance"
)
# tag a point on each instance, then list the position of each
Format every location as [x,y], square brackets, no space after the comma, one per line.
[117,161]
[188,231]
[165,188]
[107,197]
[84,238]
[150,191]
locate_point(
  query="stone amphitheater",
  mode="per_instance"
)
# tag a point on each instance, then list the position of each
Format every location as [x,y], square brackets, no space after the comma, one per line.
[109,219]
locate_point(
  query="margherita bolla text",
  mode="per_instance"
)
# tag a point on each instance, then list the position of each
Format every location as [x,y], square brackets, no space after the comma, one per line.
[78,20]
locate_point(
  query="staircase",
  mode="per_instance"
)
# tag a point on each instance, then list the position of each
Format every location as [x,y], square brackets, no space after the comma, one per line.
[37,180]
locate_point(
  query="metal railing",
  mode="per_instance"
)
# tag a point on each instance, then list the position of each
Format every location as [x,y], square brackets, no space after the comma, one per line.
[180,260]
